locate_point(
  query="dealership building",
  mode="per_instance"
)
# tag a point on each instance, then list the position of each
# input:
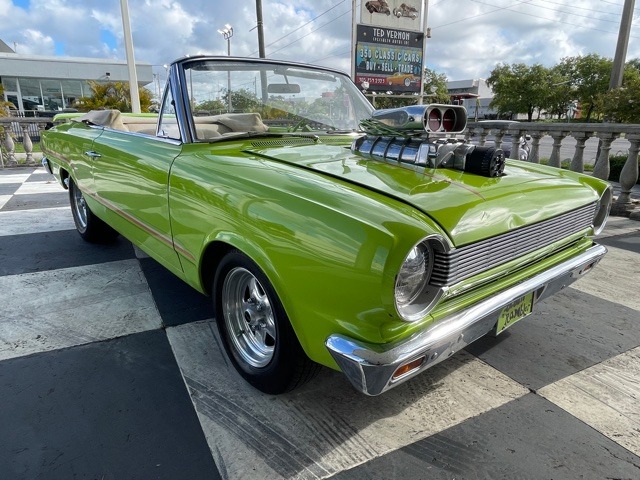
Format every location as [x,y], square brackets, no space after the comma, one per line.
[475,95]
[41,83]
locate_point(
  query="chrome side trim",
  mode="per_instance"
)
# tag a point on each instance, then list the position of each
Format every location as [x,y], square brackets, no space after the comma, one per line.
[370,367]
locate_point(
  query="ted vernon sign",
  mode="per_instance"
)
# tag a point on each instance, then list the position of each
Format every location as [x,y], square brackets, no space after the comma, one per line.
[389,59]
[404,14]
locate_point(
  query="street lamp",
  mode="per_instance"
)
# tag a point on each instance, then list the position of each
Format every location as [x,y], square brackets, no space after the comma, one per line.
[227,33]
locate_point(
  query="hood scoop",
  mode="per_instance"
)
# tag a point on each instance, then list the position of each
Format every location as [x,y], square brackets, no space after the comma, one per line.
[416,135]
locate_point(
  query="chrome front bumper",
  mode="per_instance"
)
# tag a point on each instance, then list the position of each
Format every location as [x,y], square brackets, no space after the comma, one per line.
[371,367]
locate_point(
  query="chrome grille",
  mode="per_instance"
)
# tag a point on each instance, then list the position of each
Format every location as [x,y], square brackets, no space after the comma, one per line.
[464,262]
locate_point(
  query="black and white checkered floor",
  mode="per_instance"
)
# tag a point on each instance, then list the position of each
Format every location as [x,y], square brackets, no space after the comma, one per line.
[109,369]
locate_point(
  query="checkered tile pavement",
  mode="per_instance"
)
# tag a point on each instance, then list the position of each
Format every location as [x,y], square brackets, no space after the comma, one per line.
[110,369]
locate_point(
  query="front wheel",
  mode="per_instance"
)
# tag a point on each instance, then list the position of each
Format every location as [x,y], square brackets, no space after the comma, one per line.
[255,330]
[90,227]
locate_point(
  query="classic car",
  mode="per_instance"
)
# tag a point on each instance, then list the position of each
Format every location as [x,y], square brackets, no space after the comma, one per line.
[378,6]
[405,79]
[327,233]
[408,11]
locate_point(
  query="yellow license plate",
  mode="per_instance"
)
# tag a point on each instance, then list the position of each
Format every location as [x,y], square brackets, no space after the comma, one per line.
[516,310]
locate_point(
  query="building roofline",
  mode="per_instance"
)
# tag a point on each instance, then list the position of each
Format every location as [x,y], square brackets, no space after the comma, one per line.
[44,58]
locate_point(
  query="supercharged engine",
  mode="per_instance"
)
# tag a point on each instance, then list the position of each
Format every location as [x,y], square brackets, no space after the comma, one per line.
[421,135]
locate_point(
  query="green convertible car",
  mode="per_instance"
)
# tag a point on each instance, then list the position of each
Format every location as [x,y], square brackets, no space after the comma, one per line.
[327,233]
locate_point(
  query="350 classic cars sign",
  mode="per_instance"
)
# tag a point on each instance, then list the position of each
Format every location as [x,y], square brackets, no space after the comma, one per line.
[389,59]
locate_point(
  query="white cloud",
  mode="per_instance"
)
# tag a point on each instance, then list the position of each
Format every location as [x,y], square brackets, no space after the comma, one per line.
[469,37]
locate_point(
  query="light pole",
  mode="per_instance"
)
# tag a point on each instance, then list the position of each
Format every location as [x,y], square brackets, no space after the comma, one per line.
[131,61]
[227,33]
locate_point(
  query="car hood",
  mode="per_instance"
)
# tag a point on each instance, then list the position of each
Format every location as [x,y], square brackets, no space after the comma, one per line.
[467,206]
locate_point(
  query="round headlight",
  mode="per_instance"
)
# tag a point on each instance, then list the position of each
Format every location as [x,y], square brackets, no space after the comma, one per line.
[602,211]
[414,297]
[413,275]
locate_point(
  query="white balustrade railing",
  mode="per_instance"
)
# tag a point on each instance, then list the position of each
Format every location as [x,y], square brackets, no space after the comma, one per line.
[12,129]
[19,130]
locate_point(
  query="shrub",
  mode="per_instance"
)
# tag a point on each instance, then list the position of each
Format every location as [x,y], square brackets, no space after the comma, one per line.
[616,162]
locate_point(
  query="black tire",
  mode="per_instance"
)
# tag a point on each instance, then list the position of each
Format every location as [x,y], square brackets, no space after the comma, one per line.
[90,227]
[263,348]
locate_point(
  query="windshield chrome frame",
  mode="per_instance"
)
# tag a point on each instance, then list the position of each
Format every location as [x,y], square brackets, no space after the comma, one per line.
[178,80]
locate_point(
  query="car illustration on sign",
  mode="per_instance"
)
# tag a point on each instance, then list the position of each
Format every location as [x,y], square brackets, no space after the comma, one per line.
[378,6]
[405,79]
[372,242]
[408,11]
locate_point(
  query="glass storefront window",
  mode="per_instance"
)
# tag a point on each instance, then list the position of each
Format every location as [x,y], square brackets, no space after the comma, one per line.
[31,94]
[10,84]
[72,91]
[52,94]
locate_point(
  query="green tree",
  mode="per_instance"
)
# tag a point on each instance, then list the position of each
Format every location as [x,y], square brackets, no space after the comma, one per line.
[519,88]
[589,78]
[435,84]
[633,63]
[559,93]
[623,104]
[243,100]
[112,95]
[211,106]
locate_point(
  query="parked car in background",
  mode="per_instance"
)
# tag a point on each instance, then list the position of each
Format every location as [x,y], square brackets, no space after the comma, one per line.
[327,233]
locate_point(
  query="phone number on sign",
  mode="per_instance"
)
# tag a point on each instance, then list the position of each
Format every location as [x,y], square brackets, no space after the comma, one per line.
[372,80]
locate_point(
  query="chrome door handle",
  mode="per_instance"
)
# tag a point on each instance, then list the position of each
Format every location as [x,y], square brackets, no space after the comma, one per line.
[92,154]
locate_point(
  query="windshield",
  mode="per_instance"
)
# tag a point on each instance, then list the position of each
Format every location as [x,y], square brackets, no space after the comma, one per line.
[227,97]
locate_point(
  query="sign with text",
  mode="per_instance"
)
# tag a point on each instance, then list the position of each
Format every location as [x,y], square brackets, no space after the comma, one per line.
[388,59]
[403,14]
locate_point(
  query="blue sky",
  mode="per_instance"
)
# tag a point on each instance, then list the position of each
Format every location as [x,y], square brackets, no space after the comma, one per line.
[469,37]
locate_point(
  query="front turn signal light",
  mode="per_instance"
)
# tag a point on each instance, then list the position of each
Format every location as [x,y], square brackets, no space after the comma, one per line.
[407,368]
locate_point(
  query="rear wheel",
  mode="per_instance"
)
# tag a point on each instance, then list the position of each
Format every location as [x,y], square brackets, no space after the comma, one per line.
[90,227]
[255,330]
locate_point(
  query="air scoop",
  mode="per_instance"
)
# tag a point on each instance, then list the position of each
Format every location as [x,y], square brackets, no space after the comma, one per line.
[419,135]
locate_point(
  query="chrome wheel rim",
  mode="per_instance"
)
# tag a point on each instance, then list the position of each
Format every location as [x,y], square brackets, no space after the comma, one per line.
[248,317]
[80,208]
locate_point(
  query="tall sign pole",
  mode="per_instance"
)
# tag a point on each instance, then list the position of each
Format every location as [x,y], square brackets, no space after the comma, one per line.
[131,61]
[425,6]
[353,40]
[261,51]
[621,47]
